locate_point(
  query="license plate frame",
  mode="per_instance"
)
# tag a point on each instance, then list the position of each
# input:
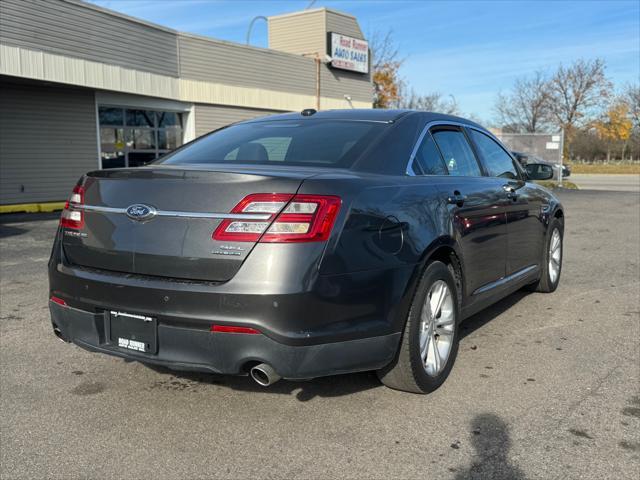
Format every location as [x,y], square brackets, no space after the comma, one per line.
[133,332]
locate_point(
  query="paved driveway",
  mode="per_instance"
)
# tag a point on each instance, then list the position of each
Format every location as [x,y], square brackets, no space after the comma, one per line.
[545,386]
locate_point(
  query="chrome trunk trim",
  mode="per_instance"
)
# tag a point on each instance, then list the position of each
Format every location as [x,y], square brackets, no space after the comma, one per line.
[171,213]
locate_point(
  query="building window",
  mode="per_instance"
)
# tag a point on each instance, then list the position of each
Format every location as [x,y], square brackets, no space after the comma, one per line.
[132,137]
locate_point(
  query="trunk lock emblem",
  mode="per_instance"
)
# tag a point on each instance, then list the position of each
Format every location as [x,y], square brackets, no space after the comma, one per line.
[141,212]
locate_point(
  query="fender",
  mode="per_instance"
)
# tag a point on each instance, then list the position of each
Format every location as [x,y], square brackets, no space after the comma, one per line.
[444,243]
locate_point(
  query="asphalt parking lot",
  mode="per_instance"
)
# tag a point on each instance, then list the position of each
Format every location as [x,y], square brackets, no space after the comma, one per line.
[545,386]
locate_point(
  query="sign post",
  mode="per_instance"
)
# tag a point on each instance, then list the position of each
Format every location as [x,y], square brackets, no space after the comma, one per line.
[561,157]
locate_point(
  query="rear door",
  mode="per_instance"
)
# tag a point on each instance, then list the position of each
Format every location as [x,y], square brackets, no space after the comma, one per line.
[474,201]
[523,205]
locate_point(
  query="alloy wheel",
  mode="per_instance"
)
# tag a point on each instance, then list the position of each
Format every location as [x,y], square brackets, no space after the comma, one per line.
[555,255]
[437,328]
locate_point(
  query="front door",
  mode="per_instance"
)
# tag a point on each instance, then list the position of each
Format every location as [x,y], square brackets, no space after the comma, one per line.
[477,211]
[522,205]
[524,227]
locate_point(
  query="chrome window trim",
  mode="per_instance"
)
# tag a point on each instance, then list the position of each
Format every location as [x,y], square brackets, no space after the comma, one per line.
[425,130]
[435,123]
[171,213]
[274,120]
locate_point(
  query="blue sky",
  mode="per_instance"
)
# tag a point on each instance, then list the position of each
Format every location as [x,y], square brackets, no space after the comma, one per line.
[469,49]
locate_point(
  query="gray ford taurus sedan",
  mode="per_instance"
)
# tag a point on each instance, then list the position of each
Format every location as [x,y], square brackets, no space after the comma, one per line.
[305,244]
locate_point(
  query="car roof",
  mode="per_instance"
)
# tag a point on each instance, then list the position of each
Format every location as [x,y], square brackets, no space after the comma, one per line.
[365,114]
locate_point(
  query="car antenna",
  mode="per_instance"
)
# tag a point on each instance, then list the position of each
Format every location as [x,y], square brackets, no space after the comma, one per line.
[307,112]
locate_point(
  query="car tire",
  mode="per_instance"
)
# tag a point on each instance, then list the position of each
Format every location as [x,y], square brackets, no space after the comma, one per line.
[550,273]
[411,371]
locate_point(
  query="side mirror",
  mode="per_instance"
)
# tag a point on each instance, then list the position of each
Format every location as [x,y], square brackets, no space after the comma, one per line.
[539,171]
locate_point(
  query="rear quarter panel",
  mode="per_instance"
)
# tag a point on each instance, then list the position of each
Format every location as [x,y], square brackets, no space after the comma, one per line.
[385,228]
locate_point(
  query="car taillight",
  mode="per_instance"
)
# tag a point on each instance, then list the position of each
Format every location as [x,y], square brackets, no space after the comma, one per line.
[72,217]
[293,218]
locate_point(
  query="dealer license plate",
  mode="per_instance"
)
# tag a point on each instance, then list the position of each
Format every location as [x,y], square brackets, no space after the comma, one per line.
[133,332]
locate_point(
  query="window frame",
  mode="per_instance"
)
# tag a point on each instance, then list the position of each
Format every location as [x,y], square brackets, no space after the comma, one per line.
[514,162]
[444,125]
[460,129]
[157,151]
[415,162]
[463,127]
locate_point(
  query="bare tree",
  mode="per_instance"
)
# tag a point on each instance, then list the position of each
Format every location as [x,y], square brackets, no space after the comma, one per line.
[430,102]
[391,91]
[631,97]
[577,92]
[526,107]
[384,49]
[386,63]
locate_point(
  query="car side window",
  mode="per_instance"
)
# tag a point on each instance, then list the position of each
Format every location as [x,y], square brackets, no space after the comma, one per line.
[428,160]
[497,161]
[458,156]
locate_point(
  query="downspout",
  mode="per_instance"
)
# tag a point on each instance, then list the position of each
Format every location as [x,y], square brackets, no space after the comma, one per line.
[318,60]
[317,81]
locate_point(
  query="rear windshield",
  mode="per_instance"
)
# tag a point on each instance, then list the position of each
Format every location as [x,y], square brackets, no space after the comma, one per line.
[326,143]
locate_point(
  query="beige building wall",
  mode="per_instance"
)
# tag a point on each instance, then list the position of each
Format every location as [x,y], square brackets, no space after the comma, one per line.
[299,33]
[212,117]
[305,33]
[343,23]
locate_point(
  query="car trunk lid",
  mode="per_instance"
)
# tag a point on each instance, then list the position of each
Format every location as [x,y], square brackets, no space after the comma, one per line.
[189,203]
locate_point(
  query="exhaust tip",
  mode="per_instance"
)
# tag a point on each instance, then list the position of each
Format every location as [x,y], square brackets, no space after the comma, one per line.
[58,333]
[264,375]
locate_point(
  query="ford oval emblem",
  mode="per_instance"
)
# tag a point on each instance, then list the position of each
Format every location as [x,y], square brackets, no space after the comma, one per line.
[141,212]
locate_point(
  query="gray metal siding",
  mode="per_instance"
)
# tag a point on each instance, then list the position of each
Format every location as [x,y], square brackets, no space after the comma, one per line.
[210,60]
[221,62]
[74,30]
[47,139]
[337,83]
[211,117]
[66,28]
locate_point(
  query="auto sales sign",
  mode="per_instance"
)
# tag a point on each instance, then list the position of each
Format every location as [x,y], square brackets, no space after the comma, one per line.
[348,53]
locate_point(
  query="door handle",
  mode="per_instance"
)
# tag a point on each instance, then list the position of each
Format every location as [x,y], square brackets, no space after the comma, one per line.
[511,192]
[457,199]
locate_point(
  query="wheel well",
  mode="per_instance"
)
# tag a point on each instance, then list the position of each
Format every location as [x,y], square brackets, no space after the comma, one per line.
[447,255]
[559,214]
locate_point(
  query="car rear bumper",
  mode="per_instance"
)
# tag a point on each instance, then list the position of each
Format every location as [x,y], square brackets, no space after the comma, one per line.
[190,347]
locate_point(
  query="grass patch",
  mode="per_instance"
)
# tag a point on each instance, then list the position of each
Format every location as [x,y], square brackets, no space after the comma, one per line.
[612,168]
[552,185]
